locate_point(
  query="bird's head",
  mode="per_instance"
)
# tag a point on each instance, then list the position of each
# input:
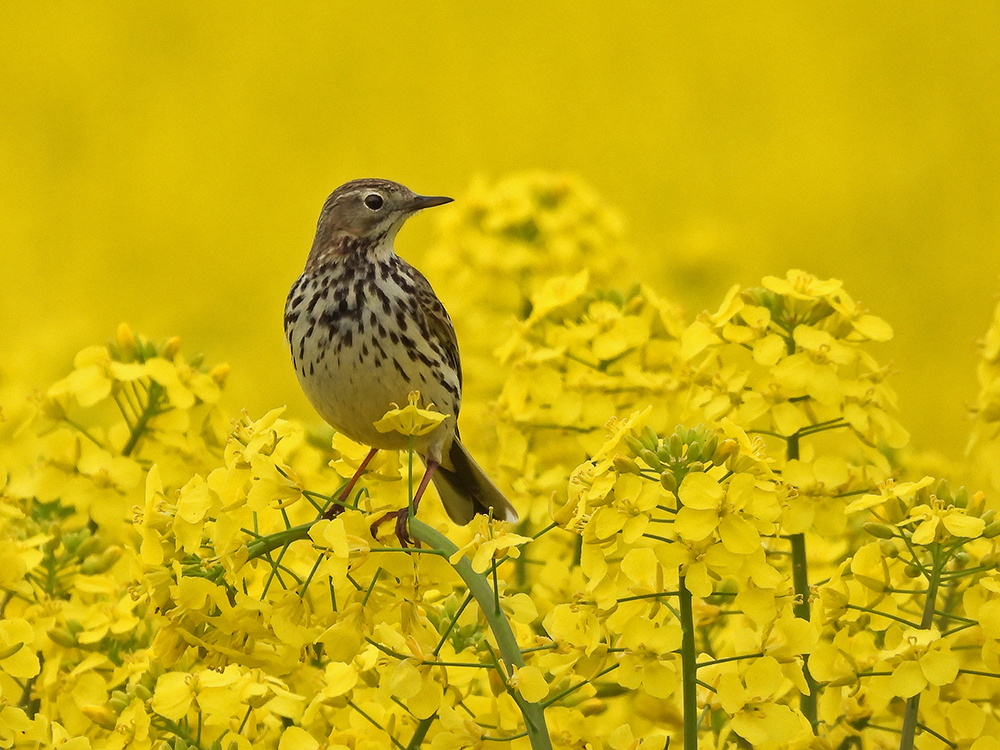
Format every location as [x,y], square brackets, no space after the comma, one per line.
[366,214]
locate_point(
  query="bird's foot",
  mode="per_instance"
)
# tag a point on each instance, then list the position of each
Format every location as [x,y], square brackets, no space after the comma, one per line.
[334,509]
[402,516]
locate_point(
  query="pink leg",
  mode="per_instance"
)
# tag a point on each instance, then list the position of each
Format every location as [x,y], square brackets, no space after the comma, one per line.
[337,506]
[402,516]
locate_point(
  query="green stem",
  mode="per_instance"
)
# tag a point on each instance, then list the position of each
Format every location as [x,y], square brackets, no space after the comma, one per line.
[510,651]
[910,714]
[800,578]
[689,668]
[152,406]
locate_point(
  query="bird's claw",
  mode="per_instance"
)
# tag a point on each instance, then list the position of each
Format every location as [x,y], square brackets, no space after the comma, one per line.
[402,533]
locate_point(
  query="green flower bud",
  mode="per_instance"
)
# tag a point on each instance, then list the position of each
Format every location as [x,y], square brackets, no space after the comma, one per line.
[879,530]
[696,466]
[676,443]
[991,530]
[694,451]
[989,516]
[669,481]
[118,701]
[634,444]
[961,498]
[888,549]
[912,571]
[87,545]
[649,438]
[651,459]
[625,465]
[142,692]
[709,447]
[103,716]
[102,562]
[62,637]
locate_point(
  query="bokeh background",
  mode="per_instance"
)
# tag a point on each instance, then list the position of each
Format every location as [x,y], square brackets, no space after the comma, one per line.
[163,164]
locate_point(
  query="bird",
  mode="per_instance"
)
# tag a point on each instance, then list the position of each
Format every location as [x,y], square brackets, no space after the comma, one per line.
[365,328]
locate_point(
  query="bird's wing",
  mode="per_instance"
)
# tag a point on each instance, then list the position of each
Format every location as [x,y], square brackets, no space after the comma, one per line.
[439,326]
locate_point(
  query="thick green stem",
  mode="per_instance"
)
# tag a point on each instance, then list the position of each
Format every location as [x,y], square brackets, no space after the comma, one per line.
[510,651]
[910,714]
[802,610]
[689,668]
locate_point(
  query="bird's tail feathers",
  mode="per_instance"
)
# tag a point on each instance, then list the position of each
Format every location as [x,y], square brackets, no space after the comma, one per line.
[465,489]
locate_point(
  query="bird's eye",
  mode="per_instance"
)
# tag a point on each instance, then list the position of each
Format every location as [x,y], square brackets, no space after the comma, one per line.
[374,201]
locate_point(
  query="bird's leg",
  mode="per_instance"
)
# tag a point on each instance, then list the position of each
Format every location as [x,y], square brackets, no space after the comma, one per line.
[402,516]
[337,507]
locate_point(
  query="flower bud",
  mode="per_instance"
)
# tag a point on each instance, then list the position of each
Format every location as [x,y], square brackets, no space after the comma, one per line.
[125,340]
[879,530]
[649,438]
[625,465]
[62,637]
[651,459]
[87,545]
[170,347]
[727,448]
[989,516]
[676,443]
[634,444]
[102,562]
[103,716]
[977,503]
[991,530]
[219,373]
[669,481]
[142,692]
[961,498]
[912,571]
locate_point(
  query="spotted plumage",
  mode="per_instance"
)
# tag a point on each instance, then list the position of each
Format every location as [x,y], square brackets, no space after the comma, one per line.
[365,328]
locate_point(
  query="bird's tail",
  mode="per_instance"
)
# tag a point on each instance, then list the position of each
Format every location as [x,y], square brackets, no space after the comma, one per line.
[465,489]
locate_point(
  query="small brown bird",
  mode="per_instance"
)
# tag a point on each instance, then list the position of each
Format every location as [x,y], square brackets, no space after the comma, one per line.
[365,329]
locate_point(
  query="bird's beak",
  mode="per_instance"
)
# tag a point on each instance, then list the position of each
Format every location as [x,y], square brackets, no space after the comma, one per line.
[427,201]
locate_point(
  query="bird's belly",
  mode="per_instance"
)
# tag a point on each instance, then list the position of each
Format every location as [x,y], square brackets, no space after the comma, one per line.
[352,379]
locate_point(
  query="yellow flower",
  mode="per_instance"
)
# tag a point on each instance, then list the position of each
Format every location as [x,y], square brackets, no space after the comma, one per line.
[411,419]
[492,540]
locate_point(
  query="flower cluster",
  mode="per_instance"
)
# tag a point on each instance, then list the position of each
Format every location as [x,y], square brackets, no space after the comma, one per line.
[719,545]
[581,356]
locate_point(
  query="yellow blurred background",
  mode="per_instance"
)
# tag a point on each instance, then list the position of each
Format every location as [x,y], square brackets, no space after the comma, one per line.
[164,164]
